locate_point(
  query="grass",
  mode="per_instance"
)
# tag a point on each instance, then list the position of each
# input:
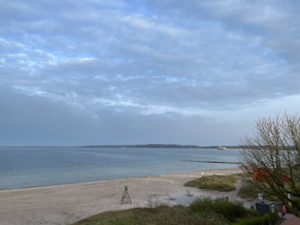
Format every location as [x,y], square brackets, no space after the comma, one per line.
[242,175]
[163,215]
[204,211]
[226,184]
[215,182]
[250,191]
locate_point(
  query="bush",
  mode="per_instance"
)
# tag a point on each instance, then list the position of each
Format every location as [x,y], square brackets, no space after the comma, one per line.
[276,216]
[297,205]
[230,210]
[202,205]
[262,220]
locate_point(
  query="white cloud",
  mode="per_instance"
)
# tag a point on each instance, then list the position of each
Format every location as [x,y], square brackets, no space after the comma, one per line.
[170,59]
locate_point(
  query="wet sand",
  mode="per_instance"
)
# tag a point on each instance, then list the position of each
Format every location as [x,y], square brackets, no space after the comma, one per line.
[66,204]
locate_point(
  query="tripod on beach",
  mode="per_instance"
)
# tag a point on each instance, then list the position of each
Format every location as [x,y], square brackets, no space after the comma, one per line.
[126,197]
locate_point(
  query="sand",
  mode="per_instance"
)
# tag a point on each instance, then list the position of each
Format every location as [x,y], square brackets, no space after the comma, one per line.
[66,204]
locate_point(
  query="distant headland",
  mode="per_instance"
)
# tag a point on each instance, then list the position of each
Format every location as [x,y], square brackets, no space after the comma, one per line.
[143,146]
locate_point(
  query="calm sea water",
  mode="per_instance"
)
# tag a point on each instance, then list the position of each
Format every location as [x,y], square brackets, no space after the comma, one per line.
[35,167]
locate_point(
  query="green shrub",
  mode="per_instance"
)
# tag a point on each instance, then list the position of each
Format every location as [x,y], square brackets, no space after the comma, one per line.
[276,216]
[202,205]
[296,203]
[252,221]
[230,210]
[262,220]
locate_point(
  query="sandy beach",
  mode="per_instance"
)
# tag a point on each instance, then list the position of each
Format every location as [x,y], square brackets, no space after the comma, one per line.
[66,204]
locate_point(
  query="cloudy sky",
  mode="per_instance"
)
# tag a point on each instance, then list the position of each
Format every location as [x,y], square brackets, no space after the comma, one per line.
[145,71]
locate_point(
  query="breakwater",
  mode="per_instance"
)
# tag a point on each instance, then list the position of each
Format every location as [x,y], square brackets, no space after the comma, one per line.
[184,160]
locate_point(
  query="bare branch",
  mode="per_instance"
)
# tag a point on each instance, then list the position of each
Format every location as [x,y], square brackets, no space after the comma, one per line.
[272,157]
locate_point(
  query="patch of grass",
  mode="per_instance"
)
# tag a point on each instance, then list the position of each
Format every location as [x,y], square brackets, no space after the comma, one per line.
[242,176]
[215,182]
[250,191]
[163,215]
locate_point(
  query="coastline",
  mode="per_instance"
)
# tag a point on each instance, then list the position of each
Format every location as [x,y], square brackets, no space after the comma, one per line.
[68,203]
[126,178]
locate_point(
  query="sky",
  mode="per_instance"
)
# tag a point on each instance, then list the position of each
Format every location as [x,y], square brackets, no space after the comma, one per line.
[95,72]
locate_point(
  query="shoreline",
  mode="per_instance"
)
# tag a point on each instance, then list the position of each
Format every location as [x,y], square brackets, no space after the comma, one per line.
[68,203]
[126,178]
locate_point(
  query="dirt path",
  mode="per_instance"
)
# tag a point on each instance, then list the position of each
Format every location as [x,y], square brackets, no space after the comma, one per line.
[233,194]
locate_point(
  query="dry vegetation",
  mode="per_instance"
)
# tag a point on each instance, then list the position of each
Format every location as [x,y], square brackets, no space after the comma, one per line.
[215,182]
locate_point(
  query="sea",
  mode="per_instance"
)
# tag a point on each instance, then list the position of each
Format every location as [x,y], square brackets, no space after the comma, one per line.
[45,166]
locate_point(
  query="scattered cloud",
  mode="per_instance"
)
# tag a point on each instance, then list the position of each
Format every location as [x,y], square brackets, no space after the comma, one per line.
[178,72]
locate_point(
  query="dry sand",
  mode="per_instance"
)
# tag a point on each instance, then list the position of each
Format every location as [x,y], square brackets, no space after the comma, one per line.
[66,204]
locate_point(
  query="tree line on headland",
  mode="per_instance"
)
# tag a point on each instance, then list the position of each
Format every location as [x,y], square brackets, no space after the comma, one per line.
[144,146]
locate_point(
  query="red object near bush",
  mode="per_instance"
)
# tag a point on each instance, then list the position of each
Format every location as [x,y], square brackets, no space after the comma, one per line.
[260,175]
